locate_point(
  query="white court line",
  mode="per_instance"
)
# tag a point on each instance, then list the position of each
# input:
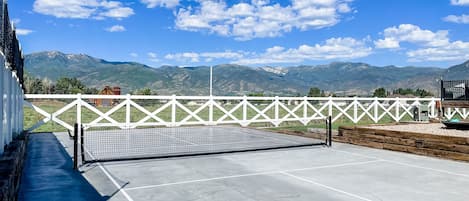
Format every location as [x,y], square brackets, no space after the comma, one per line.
[126,195]
[404,164]
[251,174]
[325,186]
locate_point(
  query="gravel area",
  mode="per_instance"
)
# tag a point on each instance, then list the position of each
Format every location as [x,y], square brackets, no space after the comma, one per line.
[435,129]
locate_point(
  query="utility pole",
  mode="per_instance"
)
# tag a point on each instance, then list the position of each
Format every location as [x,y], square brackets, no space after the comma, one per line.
[211,80]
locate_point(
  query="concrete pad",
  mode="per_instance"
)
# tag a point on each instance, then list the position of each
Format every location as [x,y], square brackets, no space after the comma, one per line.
[250,188]
[193,168]
[343,172]
[48,173]
[389,181]
[408,159]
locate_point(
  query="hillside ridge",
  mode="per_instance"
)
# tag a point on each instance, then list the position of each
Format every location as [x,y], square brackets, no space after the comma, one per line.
[350,78]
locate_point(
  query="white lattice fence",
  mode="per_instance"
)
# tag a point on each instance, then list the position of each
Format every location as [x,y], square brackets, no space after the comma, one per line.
[131,111]
[11,109]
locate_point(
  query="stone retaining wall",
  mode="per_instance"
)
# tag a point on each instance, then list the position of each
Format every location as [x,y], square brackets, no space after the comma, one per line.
[11,166]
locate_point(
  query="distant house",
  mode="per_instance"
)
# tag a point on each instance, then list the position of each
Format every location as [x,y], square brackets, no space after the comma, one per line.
[107,102]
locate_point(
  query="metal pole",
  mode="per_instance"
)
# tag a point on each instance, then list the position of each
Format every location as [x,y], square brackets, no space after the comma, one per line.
[442,97]
[211,80]
[82,144]
[75,146]
[329,143]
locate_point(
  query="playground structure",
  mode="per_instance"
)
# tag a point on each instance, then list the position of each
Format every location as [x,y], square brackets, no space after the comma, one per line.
[455,94]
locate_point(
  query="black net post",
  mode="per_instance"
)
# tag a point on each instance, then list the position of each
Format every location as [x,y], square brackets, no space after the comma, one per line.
[82,141]
[329,131]
[442,95]
[75,146]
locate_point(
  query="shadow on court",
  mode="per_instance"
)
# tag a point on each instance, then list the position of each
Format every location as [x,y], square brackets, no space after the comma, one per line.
[48,174]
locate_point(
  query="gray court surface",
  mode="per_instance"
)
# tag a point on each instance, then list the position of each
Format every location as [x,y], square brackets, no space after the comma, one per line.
[343,172]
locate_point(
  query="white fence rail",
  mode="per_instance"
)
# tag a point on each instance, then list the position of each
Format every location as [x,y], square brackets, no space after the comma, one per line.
[174,111]
[10,104]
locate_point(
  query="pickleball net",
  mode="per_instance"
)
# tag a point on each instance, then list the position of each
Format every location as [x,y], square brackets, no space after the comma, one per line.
[104,143]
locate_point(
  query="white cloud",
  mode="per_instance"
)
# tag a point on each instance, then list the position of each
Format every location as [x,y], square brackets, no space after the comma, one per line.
[82,9]
[412,34]
[116,28]
[333,48]
[387,43]
[206,56]
[460,2]
[19,31]
[183,57]
[463,19]
[260,18]
[161,3]
[454,51]
[221,55]
[119,13]
[16,21]
[23,32]
[153,57]
[431,45]
[133,54]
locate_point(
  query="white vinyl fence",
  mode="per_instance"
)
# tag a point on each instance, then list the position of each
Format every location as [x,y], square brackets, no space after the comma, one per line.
[11,106]
[128,111]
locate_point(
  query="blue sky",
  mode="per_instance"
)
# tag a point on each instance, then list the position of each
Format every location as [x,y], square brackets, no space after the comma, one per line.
[249,32]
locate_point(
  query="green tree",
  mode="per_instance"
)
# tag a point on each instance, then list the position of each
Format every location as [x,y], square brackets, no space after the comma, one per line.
[417,92]
[258,94]
[144,91]
[315,92]
[32,85]
[380,92]
[67,85]
[422,93]
[91,90]
[402,91]
[48,86]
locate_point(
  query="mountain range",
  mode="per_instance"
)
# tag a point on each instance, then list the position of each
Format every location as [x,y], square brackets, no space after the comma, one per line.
[345,78]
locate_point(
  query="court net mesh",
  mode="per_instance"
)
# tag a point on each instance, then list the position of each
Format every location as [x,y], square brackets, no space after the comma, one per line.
[111,144]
